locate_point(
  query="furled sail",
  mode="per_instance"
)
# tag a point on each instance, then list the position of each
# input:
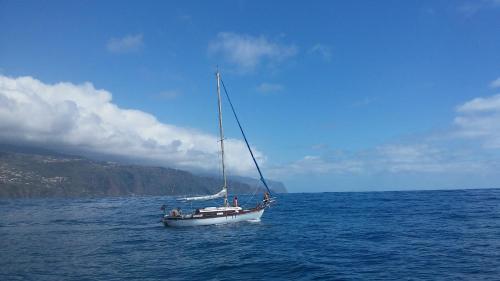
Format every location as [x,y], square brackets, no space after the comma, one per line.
[219,194]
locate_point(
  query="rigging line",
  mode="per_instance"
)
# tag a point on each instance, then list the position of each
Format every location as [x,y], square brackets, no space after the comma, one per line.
[245,138]
[253,195]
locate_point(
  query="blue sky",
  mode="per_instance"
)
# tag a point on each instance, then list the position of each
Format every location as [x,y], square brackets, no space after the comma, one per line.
[334,95]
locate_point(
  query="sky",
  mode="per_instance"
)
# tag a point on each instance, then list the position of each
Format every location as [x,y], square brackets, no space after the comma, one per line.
[333,95]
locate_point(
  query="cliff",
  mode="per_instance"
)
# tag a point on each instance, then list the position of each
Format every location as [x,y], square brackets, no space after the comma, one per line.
[27,173]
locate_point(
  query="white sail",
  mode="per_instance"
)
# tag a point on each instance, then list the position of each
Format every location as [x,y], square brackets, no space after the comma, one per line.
[219,194]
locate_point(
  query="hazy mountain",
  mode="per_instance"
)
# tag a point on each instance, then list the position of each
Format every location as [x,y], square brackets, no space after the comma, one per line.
[36,172]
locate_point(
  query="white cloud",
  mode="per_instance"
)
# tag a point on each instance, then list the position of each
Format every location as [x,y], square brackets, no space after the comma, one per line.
[317,165]
[85,118]
[364,102]
[127,44]
[422,158]
[479,105]
[185,17]
[465,155]
[470,8]
[323,50]
[477,120]
[480,119]
[267,88]
[247,52]
[495,83]
[320,146]
[169,94]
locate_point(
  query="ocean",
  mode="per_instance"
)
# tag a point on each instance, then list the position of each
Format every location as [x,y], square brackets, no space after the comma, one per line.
[417,235]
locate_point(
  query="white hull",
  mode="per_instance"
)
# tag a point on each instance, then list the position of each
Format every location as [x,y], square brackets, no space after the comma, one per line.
[250,216]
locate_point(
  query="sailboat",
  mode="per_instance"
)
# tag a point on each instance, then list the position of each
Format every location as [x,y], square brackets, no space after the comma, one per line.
[226,213]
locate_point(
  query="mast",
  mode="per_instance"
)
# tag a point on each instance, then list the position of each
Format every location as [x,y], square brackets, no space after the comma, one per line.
[221,131]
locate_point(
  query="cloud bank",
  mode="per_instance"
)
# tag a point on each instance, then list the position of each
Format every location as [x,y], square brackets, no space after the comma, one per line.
[471,146]
[86,119]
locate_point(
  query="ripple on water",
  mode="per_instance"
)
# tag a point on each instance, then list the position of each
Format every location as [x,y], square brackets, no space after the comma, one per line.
[445,235]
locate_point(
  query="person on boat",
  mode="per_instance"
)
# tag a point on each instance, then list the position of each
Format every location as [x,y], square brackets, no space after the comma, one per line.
[235,201]
[175,212]
[266,197]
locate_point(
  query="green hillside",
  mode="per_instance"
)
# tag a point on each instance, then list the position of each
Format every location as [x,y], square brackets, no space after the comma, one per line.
[29,174]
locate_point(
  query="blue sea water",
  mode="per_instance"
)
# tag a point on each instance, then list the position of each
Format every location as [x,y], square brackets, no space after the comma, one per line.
[420,235]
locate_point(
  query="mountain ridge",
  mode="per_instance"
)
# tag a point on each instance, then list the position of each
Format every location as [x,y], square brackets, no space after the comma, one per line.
[27,172]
